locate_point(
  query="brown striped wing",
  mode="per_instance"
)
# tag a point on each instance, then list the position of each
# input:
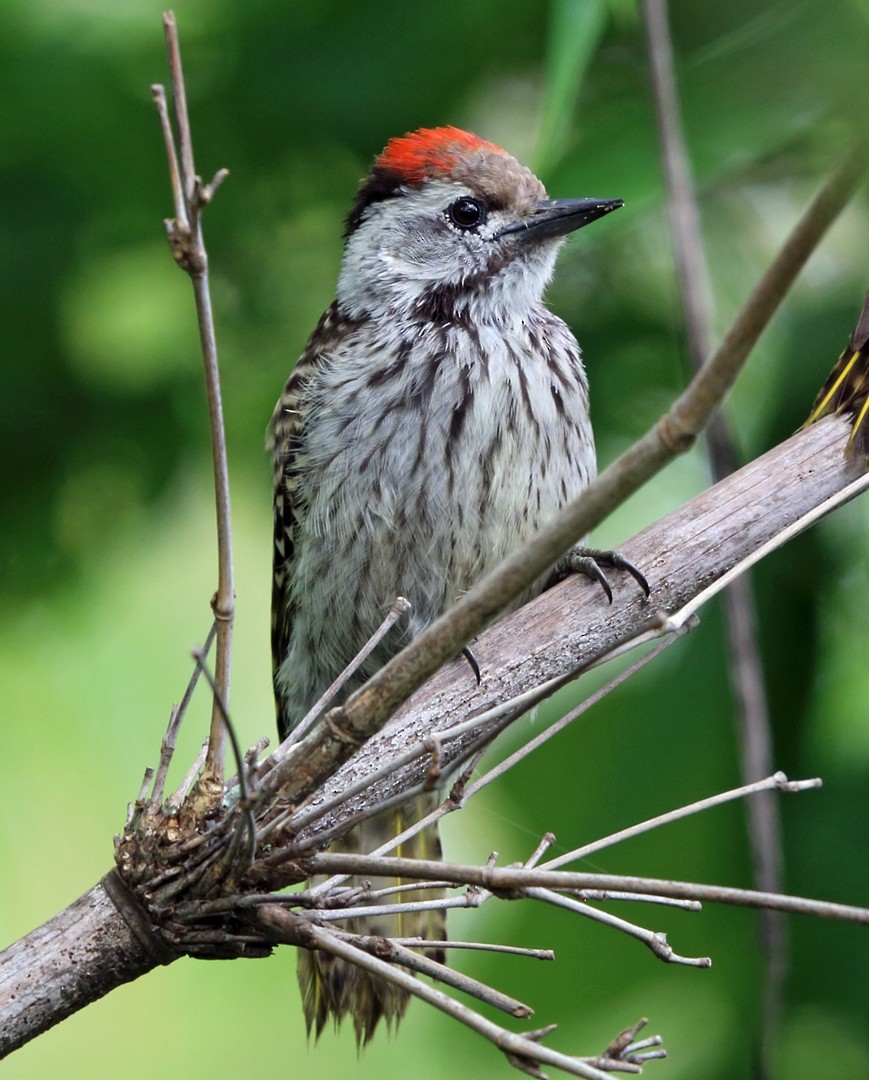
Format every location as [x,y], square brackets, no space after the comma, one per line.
[286,442]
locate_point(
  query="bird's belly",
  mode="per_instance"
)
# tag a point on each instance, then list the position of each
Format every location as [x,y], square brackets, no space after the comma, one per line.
[421,504]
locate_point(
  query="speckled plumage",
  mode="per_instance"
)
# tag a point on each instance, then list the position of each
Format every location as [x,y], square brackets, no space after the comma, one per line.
[436,419]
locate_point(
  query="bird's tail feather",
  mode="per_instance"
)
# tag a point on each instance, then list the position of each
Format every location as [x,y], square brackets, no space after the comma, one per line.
[333,988]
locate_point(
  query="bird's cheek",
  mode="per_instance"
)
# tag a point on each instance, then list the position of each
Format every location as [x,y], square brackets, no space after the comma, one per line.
[403,268]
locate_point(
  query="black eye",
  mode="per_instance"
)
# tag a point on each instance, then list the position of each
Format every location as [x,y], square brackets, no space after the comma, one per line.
[467,213]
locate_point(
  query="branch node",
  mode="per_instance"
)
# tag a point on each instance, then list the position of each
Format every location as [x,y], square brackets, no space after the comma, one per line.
[675,438]
[331,718]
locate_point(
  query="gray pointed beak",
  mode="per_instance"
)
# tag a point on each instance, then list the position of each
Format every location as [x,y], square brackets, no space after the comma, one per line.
[558,217]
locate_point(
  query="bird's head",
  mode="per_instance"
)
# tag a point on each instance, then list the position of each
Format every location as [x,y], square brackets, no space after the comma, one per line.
[444,219]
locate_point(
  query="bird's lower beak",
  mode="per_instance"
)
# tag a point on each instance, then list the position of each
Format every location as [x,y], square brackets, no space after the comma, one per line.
[558,217]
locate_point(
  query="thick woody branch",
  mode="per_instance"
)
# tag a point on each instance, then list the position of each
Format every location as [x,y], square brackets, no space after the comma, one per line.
[683,555]
[93,946]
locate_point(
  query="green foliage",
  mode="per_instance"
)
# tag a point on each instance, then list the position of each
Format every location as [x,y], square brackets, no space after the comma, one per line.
[106,551]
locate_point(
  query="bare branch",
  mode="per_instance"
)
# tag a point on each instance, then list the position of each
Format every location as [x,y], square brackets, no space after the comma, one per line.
[184,788]
[655,941]
[687,554]
[478,946]
[777,782]
[524,1047]
[604,895]
[188,247]
[745,668]
[167,747]
[389,949]
[508,878]
[399,608]
[695,289]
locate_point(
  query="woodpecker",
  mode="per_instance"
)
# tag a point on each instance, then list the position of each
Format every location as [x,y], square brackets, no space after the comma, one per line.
[437,418]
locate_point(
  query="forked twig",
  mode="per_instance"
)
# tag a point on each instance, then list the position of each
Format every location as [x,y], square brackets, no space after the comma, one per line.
[510,878]
[167,746]
[524,1047]
[654,940]
[188,247]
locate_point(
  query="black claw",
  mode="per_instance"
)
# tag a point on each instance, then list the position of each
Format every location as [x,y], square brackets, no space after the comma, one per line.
[587,561]
[472,661]
[621,563]
[587,564]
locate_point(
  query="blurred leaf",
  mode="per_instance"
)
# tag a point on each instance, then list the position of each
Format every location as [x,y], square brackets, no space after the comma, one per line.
[575,30]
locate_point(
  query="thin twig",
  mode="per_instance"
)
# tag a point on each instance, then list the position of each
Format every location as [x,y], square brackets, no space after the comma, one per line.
[400,607]
[167,747]
[185,235]
[603,895]
[158,93]
[183,790]
[389,949]
[374,911]
[746,673]
[136,808]
[508,877]
[695,290]
[523,1046]
[478,946]
[246,793]
[546,842]
[405,886]
[653,940]
[803,522]
[251,764]
[777,782]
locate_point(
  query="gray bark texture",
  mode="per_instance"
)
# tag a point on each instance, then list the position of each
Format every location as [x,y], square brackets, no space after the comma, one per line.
[73,959]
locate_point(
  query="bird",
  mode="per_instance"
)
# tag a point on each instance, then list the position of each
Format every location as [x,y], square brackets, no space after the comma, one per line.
[436,419]
[846,390]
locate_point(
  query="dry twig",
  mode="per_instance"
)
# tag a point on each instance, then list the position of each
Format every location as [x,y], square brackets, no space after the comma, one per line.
[185,238]
[746,673]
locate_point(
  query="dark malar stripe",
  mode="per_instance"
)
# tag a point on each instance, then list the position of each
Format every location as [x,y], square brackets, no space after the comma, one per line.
[463,406]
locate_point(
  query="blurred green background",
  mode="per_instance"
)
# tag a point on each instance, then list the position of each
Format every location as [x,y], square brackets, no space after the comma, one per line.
[107,551]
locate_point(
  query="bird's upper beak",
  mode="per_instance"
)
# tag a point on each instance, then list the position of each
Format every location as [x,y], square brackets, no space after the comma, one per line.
[558,217]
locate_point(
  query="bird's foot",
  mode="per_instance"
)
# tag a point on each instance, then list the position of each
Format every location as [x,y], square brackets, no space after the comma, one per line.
[588,561]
